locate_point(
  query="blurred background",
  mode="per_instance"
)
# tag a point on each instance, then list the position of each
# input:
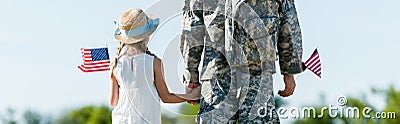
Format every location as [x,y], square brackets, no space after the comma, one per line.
[40,41]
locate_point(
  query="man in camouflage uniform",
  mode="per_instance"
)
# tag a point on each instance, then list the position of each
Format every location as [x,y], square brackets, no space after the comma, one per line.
[238,40]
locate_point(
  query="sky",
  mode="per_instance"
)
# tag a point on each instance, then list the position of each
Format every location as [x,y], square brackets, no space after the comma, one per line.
[40,41]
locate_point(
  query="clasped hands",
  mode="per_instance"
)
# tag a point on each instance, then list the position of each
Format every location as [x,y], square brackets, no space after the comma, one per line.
[193,90]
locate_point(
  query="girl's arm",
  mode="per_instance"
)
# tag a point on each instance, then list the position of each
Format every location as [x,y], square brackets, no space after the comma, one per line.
[161,87]
[114,92]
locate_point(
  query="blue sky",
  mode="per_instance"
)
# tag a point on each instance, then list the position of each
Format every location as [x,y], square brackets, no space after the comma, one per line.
[40,40]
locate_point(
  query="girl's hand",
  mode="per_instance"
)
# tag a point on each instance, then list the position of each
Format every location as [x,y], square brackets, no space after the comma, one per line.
[195,90]
[193,93]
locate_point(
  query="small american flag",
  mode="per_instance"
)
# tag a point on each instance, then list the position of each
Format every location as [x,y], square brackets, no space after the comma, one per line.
[95,59]
[314,63]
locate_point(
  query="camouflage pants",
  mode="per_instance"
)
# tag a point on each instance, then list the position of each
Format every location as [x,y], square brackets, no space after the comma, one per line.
[243,97]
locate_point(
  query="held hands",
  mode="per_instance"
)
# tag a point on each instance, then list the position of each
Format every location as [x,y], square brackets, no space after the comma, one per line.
[194,91]
[290,85]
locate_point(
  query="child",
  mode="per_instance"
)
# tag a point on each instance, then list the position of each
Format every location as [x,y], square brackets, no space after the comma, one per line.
[137,80]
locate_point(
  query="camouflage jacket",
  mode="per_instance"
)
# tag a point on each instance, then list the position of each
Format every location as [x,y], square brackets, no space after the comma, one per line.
[240,33]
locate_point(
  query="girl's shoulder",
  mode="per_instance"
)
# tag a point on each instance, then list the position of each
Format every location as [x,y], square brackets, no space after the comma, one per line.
[157,64]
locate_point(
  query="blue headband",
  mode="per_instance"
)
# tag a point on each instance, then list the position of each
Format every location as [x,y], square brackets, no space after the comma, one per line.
[139,30]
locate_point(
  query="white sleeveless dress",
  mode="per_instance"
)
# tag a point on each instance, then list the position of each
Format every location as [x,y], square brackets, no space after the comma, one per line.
[138,101]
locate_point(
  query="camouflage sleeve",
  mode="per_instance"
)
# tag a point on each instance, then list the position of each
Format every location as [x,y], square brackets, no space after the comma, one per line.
[289,41]
[192,39]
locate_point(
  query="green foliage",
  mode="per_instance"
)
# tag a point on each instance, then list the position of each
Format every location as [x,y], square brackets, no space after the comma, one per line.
[392,104]
[32,117]
[9,117]
[188,113]
[28,117]
[168,120]
[87,115]
[101,115]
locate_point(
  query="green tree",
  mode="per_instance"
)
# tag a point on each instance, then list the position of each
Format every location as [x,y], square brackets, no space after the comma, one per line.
[32,117]
[392,103]
[188,113]
[9,117]
[87,115]
[100,115]
[168,119]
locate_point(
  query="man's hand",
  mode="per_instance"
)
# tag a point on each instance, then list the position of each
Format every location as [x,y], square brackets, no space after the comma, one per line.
[290,85]
[194,86]
[193,93]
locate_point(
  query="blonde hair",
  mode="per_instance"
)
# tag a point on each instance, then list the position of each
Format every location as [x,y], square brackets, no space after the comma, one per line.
[113,63]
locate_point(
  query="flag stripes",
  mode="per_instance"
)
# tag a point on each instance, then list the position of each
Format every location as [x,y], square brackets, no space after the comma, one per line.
[314,63]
